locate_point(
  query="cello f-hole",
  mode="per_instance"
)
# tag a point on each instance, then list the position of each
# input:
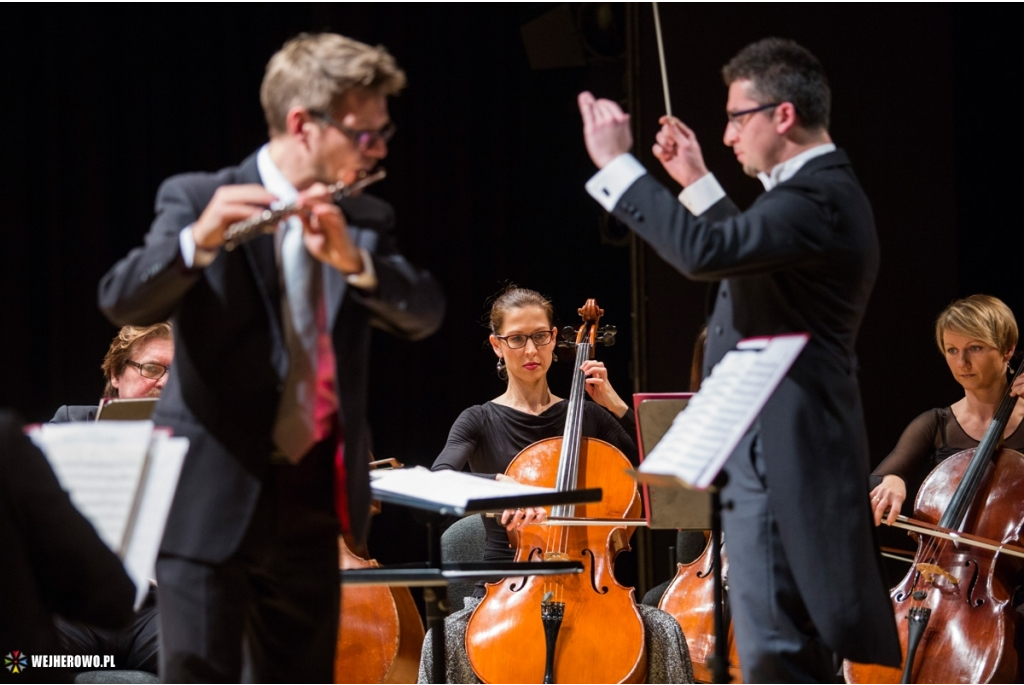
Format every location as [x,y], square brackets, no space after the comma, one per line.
[974,581]
[711,569]
[536,554]
[593,574]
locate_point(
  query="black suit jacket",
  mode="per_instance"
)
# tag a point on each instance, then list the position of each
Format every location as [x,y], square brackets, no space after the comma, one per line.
[53,560]
[804,257]
[230,357]
[75,412]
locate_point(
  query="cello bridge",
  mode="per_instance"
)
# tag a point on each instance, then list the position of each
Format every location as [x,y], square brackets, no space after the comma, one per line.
[556,556]
[930,571]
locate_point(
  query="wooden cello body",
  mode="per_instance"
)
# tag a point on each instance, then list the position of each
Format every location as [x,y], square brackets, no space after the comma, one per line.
[690,600]
[972,627]
[380,633]
[576,627]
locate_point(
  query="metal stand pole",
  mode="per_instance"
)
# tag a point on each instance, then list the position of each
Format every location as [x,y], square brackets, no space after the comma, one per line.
[720,660]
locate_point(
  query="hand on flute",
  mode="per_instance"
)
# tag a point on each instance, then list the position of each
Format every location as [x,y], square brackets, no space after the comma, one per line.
[228,205]
[325,231]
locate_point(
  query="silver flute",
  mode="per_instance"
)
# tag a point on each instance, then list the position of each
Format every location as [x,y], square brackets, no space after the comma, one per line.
[266,221]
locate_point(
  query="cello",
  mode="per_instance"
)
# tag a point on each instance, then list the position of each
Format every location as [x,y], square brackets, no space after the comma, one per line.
[954,609]
[380,633]
[689,599]
[571,628]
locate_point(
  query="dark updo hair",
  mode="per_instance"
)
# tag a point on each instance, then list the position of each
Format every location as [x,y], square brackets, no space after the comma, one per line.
[513,297]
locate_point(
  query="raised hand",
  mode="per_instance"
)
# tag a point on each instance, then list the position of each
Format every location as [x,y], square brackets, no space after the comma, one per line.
[679,152]
[606,129]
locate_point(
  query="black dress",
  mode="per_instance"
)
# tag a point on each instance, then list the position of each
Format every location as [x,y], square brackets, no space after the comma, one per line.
[931,438]
[488,436]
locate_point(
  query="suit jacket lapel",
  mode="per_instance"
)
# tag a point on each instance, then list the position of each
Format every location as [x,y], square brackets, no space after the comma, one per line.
[263,260]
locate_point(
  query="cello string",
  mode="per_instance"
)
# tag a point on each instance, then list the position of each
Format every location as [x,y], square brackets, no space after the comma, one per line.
[661,59]
[571,445]
[976,469]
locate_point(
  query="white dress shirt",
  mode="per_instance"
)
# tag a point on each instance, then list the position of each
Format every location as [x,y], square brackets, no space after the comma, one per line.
[609,184]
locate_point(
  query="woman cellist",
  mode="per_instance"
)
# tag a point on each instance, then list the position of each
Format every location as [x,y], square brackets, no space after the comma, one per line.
[486,438]
[978,336]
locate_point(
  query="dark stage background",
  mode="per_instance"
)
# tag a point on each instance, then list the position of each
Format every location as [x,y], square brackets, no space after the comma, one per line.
[487,172]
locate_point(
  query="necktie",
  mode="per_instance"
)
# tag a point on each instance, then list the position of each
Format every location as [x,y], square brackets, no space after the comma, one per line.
[295,428]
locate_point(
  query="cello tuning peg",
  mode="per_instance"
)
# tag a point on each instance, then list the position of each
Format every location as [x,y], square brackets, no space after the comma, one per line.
[568,337]
[608,334]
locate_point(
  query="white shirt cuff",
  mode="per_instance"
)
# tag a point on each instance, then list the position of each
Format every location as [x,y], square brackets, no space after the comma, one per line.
[610,183]
[367,279]
[195,257]
[699,196]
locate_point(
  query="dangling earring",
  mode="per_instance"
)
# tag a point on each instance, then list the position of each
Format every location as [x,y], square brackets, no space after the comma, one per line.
[500,367]
[554,356]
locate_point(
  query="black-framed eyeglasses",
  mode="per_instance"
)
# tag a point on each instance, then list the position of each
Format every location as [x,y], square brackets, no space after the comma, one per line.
[364,139]
[518,340]
[150,370]
[737,120]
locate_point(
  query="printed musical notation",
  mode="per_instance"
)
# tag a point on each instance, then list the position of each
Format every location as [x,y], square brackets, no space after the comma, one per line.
[706,432]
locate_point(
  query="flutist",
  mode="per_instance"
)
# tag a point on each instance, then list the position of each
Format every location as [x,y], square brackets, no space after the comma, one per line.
[269,382]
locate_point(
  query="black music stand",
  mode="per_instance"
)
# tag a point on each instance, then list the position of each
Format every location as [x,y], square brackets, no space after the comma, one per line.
[435,575]
[670,506]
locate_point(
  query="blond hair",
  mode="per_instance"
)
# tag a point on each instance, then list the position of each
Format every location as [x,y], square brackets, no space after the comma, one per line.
[316,70]
[123,346]
[981,317]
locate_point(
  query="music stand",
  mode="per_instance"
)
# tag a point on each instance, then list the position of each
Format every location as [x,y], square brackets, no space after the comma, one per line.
[667,507]
[134,409]
[693,451]
[435,574]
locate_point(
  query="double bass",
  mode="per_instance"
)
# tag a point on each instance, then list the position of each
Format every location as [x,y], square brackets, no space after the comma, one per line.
[570,628]
[954,609]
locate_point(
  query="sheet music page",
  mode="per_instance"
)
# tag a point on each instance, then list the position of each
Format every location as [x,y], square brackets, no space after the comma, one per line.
[703,435]
[452,488]
[167,455]
[100,466]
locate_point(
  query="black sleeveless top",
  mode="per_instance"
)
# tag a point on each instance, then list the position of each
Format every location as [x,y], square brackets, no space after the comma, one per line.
[931,438]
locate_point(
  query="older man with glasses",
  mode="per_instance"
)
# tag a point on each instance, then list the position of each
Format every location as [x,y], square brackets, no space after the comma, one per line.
[135,366]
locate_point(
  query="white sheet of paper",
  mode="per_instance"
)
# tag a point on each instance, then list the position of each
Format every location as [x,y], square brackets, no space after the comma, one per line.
[452,488]
[167,455]
[706,432]
[100,465]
